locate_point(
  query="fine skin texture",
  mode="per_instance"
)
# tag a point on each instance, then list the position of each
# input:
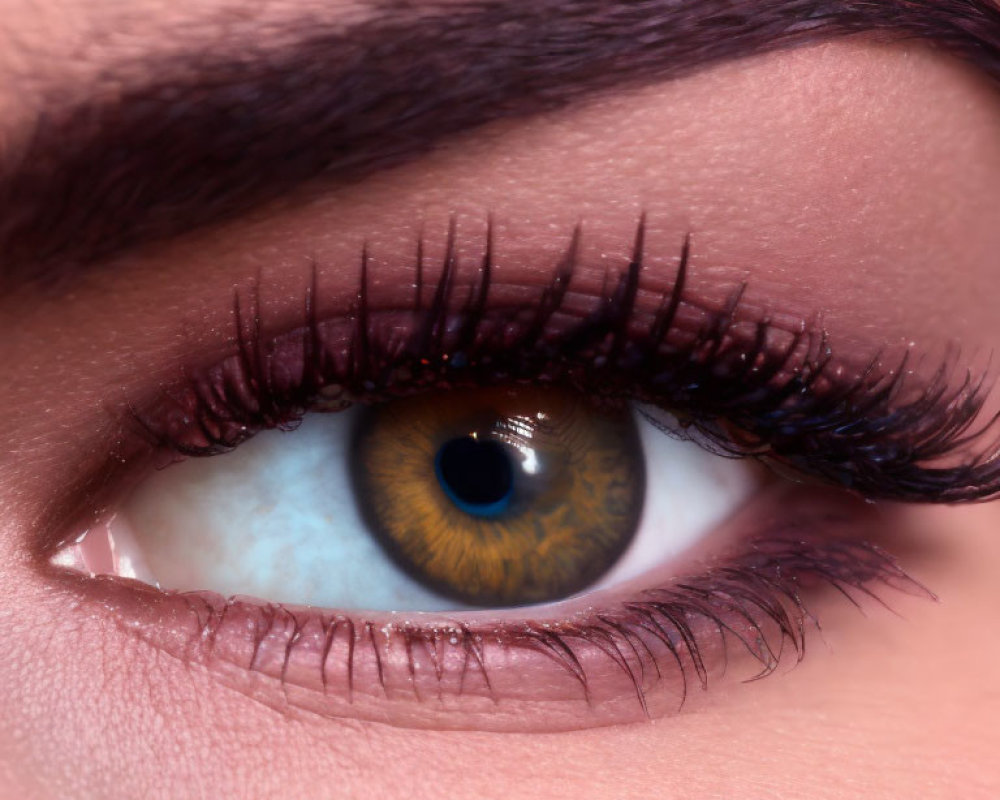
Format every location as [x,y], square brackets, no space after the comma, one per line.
[295,96]
[853,179]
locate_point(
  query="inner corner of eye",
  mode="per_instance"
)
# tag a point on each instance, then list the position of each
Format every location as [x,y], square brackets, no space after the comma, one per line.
[450,500]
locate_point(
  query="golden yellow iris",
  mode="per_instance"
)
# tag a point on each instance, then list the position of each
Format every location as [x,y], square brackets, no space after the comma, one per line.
[501,496]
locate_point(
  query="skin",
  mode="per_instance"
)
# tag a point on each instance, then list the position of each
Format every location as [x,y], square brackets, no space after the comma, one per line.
[852,179]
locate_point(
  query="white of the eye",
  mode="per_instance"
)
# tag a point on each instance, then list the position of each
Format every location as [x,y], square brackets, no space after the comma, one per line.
[689,491]
[275,519]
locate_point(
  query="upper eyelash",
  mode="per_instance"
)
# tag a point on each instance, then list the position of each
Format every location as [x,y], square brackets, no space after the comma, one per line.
[743,388]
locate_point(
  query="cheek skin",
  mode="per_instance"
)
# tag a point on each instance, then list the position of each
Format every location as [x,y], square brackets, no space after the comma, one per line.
[902,707]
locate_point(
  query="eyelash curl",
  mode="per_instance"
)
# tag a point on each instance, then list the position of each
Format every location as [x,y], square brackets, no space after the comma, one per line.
[740,387]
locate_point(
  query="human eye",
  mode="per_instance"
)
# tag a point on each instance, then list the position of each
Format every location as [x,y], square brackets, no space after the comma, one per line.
[448,483]
[748,287]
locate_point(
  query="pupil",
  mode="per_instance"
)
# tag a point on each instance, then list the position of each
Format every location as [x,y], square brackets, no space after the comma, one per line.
[476,475]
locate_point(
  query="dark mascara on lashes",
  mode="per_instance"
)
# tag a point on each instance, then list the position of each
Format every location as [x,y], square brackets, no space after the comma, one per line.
[777,388]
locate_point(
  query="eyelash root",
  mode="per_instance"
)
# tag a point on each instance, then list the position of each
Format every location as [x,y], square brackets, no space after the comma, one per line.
[753,601]
[741,386]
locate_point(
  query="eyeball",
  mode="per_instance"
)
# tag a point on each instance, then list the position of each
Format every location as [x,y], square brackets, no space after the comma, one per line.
[448,500]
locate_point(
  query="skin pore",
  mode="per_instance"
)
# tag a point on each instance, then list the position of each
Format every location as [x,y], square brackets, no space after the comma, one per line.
[852,179]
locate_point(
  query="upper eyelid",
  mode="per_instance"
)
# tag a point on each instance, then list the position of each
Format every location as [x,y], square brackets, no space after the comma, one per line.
[851,421]
[174,127]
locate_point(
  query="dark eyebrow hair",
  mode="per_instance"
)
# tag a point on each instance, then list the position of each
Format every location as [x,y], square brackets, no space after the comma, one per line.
[217,135]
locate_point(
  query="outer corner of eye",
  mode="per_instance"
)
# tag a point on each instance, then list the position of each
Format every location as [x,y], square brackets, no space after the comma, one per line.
[448,501]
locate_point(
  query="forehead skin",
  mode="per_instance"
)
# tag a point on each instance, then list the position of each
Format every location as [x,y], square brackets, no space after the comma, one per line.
[851,178]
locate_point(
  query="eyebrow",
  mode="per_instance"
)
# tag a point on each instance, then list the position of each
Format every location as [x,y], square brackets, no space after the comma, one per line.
[212,137]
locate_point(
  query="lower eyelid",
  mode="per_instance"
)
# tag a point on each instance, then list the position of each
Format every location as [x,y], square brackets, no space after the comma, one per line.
[610,657]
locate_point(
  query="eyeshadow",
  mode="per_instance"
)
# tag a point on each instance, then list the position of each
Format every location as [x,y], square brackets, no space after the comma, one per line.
[741,385]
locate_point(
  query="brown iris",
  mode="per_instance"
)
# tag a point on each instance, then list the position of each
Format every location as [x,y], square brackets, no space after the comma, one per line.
[501,496]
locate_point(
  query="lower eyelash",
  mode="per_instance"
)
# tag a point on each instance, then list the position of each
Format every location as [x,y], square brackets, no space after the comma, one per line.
[671,635]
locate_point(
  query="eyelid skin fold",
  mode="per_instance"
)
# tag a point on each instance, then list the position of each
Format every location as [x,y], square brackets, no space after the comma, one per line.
[741,383]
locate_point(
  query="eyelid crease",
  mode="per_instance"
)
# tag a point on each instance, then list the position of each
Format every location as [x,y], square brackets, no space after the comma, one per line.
[741,386]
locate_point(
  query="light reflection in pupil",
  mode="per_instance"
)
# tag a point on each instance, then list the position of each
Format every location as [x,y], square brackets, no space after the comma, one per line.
[476,475]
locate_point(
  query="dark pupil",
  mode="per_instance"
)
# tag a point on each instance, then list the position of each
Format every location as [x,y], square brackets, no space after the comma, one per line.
[476,475]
